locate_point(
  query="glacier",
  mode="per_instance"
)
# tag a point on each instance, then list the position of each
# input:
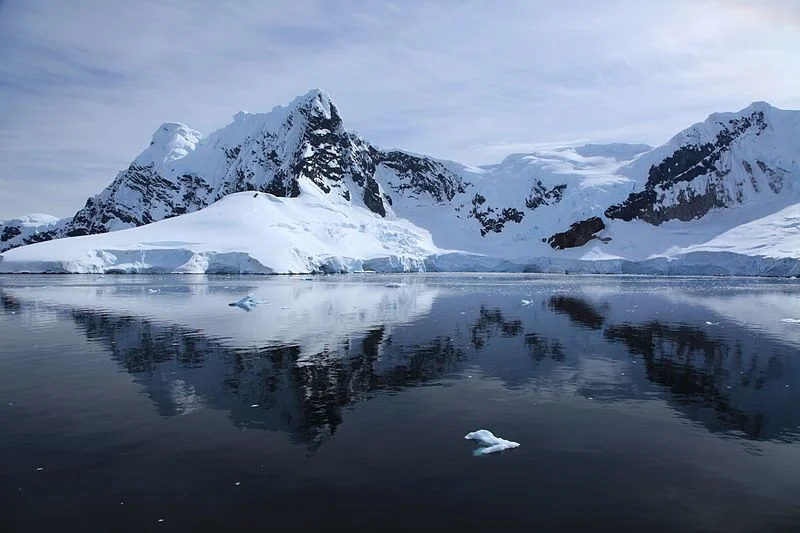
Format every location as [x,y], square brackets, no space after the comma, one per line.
[293,191]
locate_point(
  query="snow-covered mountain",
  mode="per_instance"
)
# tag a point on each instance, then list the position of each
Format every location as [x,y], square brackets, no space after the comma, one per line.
[609,205]
[247,232]
[30,228]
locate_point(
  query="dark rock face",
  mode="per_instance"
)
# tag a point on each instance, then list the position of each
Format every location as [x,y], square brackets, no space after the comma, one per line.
[148,197]
[684,165]
[372,197]
[492,219]
[9,232]
[776,176]
[420,176]
[541,195]
[41,237]
[328,142]
[578,234]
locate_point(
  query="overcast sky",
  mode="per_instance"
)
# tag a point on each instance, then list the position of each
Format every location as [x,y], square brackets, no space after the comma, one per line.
[84,83]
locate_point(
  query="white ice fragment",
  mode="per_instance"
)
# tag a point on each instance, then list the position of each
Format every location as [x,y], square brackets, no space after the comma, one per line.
[394,285]
[247,303]
[237,483]
[489,443]
[153,291]
[790,320]
[527,302]
[39,468]
[712,323]
[254,405]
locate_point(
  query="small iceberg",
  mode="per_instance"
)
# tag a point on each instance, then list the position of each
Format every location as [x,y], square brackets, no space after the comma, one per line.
[247,303]
[489,443]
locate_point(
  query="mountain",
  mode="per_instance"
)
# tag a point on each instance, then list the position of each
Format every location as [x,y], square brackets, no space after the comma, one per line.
[595,207]
[246,232]
[30,228]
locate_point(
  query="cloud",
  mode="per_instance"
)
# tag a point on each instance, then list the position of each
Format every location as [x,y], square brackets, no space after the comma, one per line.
[83,84]
[777,12]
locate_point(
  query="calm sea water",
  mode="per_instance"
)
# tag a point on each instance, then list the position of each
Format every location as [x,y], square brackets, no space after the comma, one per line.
[641,404]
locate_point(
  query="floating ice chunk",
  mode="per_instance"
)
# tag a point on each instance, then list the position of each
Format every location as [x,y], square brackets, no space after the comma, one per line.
[153,291]
[527,302]
[790,320]
[712,323]
[489,443]
[394,285]
[247,303]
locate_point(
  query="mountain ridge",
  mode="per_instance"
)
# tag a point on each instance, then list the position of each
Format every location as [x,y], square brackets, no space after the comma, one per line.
[571,201]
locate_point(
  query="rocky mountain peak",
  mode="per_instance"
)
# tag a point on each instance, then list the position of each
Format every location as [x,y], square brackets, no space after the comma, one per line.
[714,164]
[317,102]
[170,141]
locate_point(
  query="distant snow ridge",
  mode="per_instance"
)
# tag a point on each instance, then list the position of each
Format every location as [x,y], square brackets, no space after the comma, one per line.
[720,197]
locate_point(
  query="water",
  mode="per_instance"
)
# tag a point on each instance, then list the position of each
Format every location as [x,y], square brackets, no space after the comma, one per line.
[641,404]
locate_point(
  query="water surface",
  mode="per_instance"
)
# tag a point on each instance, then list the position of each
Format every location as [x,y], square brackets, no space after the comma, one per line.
[641,404]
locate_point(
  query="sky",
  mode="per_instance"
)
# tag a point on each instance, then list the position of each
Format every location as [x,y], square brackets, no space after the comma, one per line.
[85,83]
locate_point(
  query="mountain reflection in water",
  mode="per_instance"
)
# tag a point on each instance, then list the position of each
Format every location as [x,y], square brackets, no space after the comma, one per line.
[346,342]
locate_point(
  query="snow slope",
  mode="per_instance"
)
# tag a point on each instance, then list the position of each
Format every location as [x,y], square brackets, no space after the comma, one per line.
[242,233]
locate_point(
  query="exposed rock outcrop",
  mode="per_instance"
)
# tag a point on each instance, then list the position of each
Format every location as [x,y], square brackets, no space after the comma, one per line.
[578,234]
